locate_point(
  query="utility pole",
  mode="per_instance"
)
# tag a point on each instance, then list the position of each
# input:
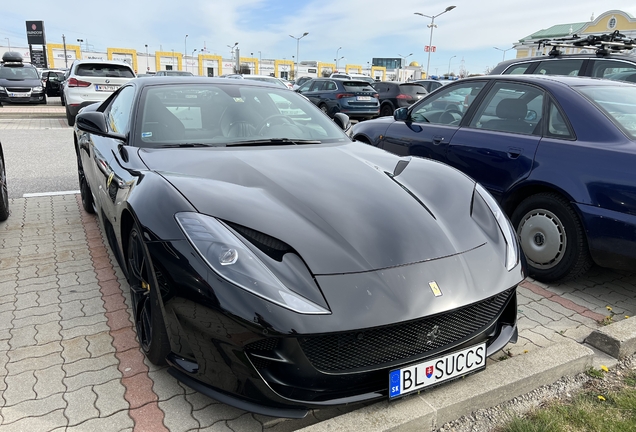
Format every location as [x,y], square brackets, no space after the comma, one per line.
[65,56]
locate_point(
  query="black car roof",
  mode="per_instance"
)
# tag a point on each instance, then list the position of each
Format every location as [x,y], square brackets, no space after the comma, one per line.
[167,80]
[502,66]
[571,81]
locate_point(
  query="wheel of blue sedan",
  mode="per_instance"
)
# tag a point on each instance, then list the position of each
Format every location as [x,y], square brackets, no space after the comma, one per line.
[151,330]
[4,193]
[551,237]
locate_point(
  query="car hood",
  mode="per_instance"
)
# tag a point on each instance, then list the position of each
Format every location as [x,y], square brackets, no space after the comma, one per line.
[336,205]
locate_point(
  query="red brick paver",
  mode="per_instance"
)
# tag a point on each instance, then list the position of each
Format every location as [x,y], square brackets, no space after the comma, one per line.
[144,409]
[568,304]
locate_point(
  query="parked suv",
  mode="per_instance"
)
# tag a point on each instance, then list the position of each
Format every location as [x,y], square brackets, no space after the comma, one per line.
[90,81]
[604,63]
[355,98]
[19,81]
[395,95]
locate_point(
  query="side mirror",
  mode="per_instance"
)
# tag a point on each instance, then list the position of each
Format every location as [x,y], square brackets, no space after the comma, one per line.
[95,122]
[343,121]
[92,121]
[401,114]
[531,115]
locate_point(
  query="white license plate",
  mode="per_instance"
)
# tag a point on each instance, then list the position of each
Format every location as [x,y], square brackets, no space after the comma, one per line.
[364,98]
[416,377]
[19,95]
[109,88]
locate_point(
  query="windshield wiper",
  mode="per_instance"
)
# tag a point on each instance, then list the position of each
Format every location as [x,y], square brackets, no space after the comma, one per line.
[272,141]
[185,145]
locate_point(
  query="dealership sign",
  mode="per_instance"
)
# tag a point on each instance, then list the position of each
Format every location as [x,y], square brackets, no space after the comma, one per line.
[35,33]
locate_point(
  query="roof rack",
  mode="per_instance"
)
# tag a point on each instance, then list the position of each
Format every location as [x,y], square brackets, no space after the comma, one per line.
[603,44]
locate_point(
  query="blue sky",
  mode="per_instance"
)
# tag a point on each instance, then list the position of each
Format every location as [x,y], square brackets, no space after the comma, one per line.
[363,28]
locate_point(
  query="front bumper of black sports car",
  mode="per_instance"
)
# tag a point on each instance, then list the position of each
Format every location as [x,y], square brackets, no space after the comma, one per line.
[249,353]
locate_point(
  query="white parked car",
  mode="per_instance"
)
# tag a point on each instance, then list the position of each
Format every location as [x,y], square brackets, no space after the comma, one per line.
[270,79]
[91,81]
[355,76]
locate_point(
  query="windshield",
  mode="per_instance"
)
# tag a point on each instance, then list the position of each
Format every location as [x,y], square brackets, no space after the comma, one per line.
[358,86]
[412,89]
[104,70]
[18,73]
[619,103]
[230,114]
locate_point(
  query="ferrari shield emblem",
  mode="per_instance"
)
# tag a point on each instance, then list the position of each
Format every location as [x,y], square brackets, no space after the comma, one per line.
[436,291]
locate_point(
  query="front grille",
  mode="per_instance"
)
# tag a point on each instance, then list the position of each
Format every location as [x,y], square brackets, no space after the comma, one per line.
[368,348]
[19,89]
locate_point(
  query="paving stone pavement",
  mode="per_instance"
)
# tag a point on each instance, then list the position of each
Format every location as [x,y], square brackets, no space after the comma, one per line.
[69,358]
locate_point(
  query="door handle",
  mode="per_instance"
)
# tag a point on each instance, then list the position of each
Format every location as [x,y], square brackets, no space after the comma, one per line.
[438,139]
[514,152]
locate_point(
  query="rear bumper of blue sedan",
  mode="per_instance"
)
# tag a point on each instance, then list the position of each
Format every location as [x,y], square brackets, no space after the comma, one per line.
[611,236]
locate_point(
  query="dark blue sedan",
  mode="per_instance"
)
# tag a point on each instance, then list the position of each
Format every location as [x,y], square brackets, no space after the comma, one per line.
[558,153]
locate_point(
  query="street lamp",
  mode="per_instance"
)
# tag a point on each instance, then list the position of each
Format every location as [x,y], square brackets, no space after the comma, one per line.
[504,52]
[9,42]
[147,67]
[173,59]
[449,61]
[432,26]
[297,49]
[80,44]
[195,50]
[231,47]
[404,60]
[337,60]
[185,51]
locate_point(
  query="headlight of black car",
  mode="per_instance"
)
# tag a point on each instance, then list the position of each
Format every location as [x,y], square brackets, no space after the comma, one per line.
[231,259]
[482,196]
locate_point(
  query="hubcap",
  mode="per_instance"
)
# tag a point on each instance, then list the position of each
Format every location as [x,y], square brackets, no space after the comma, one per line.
[543,238]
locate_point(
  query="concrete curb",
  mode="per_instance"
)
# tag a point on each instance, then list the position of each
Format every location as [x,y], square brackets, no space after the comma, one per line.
[22,115]
[499,383]
[617,339]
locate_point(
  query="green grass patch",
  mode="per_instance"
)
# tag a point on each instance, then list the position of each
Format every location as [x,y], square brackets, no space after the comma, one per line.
[584,413]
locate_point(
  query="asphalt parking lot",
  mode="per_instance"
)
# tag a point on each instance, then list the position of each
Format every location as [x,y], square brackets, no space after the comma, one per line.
[68,355]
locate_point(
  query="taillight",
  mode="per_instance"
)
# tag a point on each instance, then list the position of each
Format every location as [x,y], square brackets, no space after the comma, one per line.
[403,96]
[72,82]
[344,95]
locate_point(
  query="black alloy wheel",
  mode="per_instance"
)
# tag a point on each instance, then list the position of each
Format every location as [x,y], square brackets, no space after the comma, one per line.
[4,193]
[552,238]
[151,330]
[85,189]
[386,110]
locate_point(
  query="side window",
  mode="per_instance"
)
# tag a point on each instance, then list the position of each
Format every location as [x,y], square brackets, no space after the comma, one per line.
[557,126]
[317,85]
[511,107]
[304,87]
[614,70]
[449,104]
[518,69]
[118,113]
[570,67]
[330,85]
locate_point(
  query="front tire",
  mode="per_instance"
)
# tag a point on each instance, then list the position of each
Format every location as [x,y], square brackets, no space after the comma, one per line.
[552,238]
[4,193]
[386,110]
[70,119]
[144,292]
[85,189]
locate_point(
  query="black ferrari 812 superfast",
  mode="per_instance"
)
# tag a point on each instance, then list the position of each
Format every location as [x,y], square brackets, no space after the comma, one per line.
[278,266]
